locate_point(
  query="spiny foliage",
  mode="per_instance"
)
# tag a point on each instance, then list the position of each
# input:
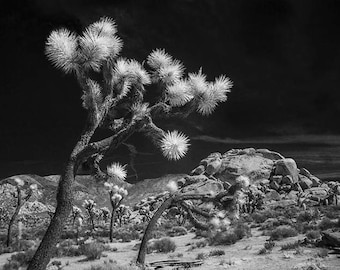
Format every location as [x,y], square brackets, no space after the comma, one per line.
[118,100]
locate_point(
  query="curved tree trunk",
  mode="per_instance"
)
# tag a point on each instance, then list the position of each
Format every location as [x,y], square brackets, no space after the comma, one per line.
[14,216]
[46,248]
[64,198]
[142,250]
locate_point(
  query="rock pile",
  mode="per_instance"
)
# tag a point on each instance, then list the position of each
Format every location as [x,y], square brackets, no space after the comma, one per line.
[268,172]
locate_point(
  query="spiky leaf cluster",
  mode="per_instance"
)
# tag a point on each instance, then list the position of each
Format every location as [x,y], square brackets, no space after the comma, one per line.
[118,97]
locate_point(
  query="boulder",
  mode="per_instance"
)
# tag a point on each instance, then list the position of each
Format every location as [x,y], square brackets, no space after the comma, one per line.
[245,162]
[207,187]
[276,178]
[213,167]
[330,239]
[198,170]
[287,180]
[287,166]
[316,182]
[305,182]
[317,193]
[269,154]
[274,185]
[273,195]
[215,155]
[293,195]
[305,172]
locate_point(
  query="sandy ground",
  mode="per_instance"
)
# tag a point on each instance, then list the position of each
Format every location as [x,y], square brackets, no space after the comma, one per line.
[242,255]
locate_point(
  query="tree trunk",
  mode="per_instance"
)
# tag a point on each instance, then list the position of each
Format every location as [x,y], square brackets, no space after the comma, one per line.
[142,250]
[46,248]
[111,224]
[14,216]
[92,223]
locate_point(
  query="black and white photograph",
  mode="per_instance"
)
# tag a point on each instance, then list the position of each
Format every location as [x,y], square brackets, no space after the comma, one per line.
[170,134]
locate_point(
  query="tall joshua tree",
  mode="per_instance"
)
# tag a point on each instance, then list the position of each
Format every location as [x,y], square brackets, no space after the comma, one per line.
[117,102]
[23,192]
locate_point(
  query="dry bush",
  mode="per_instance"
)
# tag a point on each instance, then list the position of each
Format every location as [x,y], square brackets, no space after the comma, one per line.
[314,234]
[92,251]
[164,245]
[19,260]
[283,232]
[291,245]
[177,231]
[326,223]
[216,252]
[113,266]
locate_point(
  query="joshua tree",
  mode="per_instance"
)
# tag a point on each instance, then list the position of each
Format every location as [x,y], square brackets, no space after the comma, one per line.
[23,192]
[116,193]
[105,214]
[191,204]
[123,213]
[90,205]
[113,94]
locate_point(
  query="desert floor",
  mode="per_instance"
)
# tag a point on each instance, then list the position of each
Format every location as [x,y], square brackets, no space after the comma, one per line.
[242,255]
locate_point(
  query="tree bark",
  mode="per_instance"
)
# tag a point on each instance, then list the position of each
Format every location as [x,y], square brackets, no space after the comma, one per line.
[45,250]
[14,216]
[111,224]
[142,250]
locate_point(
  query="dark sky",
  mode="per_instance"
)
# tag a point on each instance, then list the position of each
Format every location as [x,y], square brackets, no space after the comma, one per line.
[283,56]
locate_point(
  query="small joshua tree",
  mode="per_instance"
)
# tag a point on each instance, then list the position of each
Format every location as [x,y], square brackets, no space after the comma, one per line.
[90,205]
[105,214]
[76,213]
[114,99]
[116,193]
[23,192]
[123,214]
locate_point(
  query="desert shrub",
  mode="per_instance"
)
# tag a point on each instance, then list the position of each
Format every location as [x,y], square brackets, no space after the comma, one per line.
[176,255]
[331,211]
[305,227]
[20,259]
[283,232]
[201,256]
[305,216]
[177,231]
[201,244]
[263,251]
[201,233]
[223,238]
[92,251]
[291,245]
[38,232]
[156,234]
[26,244]
[314,234]
[322,253]
[68,248]
[262,216]
[269,245]
[290,212]
[113,266]
[55,265]
[125,234]
[164,245]
[326,223]
[4,249]
[216,252]
[242,230]
[69,234]
[69,251]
